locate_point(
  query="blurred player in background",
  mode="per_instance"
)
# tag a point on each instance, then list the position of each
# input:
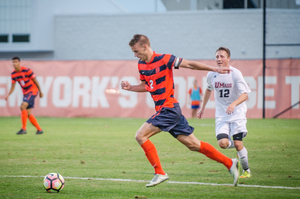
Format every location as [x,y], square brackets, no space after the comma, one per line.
[30,88]
[195,97]
[156,75]
[231,92]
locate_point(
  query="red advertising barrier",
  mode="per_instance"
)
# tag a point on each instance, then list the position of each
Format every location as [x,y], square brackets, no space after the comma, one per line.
[92,89]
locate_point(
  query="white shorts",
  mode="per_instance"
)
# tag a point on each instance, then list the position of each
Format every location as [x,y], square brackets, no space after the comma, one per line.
[231,128]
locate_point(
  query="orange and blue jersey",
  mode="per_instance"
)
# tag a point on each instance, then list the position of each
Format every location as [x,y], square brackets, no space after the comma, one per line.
[158,77]
[24,77]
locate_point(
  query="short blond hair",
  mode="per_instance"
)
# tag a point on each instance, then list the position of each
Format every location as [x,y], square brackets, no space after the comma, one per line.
[141,39]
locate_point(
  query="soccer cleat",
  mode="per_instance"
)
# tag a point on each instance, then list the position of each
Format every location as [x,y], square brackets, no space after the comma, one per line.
[246,174]
[22,131]
[234,170]
[157,179]
[39,132]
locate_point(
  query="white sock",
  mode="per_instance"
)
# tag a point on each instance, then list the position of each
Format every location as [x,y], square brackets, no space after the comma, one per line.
[230,144]
[243,156]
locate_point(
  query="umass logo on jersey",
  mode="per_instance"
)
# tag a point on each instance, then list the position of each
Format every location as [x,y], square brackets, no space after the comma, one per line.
[222,85]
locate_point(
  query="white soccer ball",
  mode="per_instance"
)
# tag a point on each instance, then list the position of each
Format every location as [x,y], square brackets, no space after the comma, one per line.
[54,182]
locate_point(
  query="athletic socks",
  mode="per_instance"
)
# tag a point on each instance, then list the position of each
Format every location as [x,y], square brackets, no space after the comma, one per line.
[35,123]
[151,154]
[24,116]
[32,119]
[211,152]
[243,156]
[205,148]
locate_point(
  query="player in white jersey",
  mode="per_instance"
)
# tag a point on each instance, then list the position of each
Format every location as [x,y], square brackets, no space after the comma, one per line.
[230,92]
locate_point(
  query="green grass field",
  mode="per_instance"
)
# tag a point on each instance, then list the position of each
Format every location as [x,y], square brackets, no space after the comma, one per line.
[91,152]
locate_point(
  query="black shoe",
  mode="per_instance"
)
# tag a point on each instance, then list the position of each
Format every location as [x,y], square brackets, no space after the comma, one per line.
[22,131]
[39,132]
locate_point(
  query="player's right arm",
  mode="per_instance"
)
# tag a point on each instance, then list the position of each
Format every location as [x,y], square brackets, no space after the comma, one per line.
[200,66]
[204,102]
[135,88]
[243,97]
[11,90]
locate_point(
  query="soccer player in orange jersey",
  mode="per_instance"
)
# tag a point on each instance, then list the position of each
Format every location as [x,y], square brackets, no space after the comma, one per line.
[30,88]
[156,75]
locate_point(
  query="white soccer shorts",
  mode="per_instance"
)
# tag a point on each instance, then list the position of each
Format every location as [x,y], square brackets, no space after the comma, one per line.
[231,128]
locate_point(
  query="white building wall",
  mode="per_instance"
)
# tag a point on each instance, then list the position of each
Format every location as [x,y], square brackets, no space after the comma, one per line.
[35,18]
[63,31]
[31,17]
[191,35]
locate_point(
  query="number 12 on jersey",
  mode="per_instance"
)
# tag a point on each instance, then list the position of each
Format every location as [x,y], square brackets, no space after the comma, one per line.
[224,92]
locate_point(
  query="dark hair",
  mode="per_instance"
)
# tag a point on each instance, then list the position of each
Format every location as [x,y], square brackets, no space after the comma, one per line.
[137,38]
[225,49]
[18,58]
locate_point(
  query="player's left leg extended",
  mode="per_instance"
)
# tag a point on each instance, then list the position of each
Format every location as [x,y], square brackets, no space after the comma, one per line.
[208,150]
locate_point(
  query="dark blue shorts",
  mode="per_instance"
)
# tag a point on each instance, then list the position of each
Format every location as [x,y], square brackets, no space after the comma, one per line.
[195,106]
[172,121]
[29,98]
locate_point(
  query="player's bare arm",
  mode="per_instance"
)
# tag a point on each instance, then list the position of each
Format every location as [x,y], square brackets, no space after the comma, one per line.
[11,90]
[239,100]
[38,86]
[204,102]
[193,65]
[135,88]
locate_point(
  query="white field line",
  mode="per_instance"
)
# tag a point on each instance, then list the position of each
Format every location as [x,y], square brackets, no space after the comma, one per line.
[172,182]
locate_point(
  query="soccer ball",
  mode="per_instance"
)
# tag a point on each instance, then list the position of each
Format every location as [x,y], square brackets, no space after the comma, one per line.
[54,182]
